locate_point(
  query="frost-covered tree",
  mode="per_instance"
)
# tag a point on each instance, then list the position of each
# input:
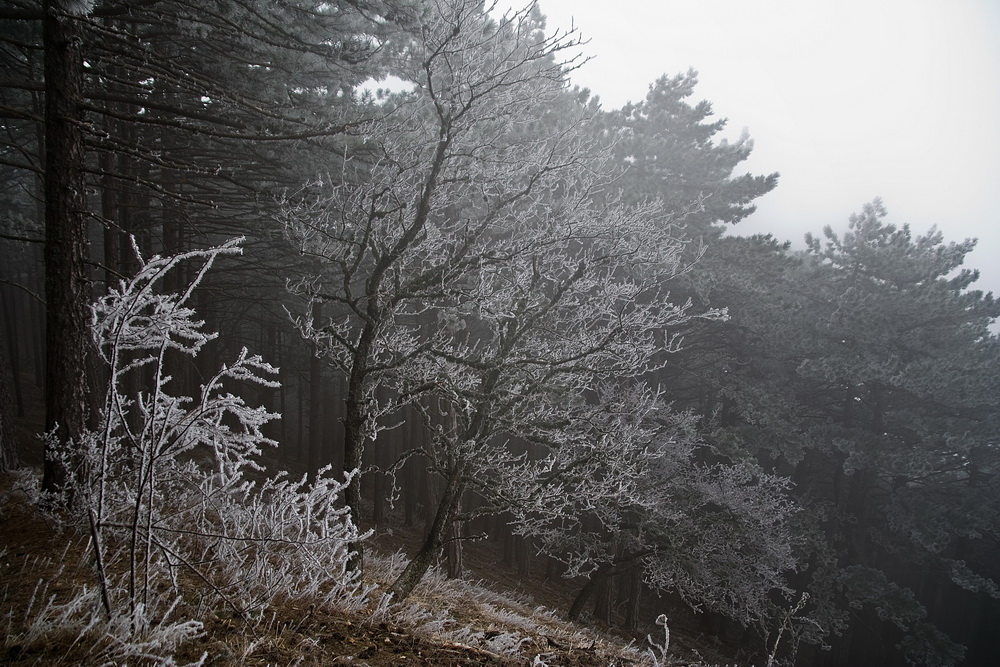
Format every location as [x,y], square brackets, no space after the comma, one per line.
[866,370]
[693,521]
[540,362]
[477,259]
[420,201]
[183,123]
[673,152]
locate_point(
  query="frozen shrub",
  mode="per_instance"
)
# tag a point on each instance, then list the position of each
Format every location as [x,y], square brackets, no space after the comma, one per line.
[164,484]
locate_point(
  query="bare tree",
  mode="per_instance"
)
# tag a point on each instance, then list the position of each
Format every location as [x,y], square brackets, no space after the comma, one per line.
[442,175]
[542,359]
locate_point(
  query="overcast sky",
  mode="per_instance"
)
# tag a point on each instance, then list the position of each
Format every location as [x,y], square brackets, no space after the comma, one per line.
[847,99]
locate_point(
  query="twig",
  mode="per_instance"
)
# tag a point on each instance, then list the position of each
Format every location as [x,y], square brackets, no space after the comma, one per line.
[102,578]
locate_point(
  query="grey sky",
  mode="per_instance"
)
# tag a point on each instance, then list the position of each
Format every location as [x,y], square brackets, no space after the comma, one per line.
[849,100]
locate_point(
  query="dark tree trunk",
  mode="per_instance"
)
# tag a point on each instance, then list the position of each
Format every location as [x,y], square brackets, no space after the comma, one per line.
[110,213]
[356,414]
[443,519]
[66,293]
[454,550]
[9,458]
[603,571]
[503,530]
[36,311]
[282,426]
[271,397]
[379,456]
[631,596]
[378,498]
[8,306]
[302,449]
[522,554]
[412,471]
[553,569]
[602,600]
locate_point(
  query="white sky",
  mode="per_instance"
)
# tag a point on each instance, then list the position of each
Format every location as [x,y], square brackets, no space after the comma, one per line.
[847,99]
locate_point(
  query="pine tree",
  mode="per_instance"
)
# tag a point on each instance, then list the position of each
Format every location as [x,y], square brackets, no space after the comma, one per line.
[868,373]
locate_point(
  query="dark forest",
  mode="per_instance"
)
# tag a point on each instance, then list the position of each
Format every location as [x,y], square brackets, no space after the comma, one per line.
[265,322]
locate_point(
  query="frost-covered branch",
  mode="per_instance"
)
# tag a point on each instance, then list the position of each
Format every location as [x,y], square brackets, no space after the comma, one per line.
[433,192]
[165,484]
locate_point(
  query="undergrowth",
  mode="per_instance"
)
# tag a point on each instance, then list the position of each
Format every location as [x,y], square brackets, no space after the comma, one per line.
[53,615]
[175,547]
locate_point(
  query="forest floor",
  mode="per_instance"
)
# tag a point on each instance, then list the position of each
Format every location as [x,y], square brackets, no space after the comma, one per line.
[488,622]
[493,617]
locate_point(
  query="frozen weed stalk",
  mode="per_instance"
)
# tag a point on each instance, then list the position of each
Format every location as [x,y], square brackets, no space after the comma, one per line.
[662,649]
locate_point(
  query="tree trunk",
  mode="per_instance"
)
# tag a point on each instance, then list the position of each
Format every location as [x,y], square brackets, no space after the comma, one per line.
[379,457]
[506,534]
[110,213]
[631,597]
[36,314]
[553,569]
[8,306]
[9,458]
[66,294]
[411,472]
[602,599]
[602,572]
[522,555]
[443,519]
[302,449]
[283,430]
[356,416]
[455,569]
[378,498]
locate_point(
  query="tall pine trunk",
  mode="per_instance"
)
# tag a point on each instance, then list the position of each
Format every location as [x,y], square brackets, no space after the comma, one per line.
[11,354]
[9,458]
[66,294]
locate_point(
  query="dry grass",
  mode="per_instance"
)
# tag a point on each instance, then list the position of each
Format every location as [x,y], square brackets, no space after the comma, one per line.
[48,620]
[51,615]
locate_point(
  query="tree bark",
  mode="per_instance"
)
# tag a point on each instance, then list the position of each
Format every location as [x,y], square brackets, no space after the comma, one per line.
[443,519]
[411,472]
[631,597]
[454,549]
[602,600]
[522,555]
[8,306]
[66,294]
[603,571]
[553,569]
[9,459]
[356,415]
[301,447]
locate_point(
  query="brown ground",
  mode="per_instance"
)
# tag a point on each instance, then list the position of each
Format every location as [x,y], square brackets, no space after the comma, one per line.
[33,547]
